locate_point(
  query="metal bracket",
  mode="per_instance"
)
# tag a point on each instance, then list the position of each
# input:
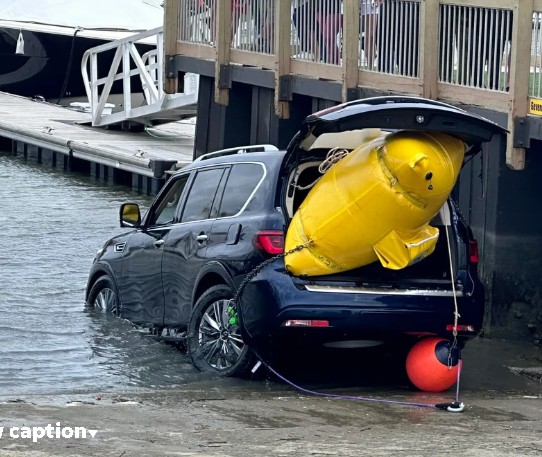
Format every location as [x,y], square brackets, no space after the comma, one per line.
[526,129]
[171,66]
[224,77]
[521,132]
[285,88]
[353,93]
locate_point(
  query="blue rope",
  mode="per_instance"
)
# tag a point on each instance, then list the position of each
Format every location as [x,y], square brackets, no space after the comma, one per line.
[456,406]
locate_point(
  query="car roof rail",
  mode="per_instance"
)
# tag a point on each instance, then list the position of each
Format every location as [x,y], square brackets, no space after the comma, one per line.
[237,150]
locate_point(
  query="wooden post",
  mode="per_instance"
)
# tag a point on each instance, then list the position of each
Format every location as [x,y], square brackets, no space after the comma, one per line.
[350,48]
[429,42]
[171,34]
[283,52]
[520,65]
[223,20]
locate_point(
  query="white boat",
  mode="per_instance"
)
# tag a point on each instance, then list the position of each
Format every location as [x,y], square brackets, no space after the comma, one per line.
[42,42]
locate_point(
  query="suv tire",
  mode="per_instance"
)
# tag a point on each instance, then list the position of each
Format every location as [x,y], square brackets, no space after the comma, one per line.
[104,297]
[214,343]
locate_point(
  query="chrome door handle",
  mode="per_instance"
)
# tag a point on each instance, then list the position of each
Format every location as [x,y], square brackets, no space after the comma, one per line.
[159,243]
[202,237]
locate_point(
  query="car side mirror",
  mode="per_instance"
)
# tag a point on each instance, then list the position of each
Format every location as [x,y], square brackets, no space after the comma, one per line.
[130,216]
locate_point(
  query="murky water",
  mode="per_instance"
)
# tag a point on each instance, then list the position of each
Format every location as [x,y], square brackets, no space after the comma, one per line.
[52,223]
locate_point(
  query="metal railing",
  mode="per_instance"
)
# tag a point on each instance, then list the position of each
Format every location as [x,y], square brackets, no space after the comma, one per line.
[474,41]
[535,82]
[100,75]
[475,46]
[196,21]
[480,52]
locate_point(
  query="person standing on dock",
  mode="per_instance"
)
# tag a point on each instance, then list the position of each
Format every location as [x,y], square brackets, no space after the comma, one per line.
[369,11]
[306,27]
[329,16]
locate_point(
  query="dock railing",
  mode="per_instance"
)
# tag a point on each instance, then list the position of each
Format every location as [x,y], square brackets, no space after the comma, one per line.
[128,63]
[478,52]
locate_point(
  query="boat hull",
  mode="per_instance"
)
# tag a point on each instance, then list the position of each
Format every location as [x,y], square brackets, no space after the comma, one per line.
[49,67]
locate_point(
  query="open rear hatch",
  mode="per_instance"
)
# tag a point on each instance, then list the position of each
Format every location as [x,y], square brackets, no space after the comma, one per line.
[348,126]
[394,113]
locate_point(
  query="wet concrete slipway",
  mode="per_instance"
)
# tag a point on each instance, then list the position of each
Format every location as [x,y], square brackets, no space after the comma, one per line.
[63,366]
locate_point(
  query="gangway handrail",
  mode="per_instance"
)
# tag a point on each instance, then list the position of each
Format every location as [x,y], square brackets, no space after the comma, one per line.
[149,68]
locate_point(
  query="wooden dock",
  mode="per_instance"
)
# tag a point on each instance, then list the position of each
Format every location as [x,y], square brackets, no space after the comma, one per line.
[62,137]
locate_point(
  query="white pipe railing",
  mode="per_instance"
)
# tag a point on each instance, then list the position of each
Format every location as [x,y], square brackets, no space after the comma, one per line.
[127,63]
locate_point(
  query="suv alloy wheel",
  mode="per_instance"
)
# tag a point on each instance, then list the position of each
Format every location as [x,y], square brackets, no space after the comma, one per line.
[214,338]
[103,296]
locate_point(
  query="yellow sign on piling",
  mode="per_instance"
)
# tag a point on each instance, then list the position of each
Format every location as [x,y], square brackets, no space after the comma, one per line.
[535,106]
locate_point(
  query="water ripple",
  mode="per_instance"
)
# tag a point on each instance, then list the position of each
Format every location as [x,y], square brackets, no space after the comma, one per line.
[52,225]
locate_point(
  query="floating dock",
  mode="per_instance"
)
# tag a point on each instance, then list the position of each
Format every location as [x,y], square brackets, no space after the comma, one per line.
[62,137]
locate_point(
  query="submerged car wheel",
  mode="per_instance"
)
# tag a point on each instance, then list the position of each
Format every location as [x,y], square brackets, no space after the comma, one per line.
[214,339]
[103,296]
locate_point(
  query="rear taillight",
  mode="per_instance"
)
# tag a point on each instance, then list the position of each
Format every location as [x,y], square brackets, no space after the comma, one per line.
[270,241]
[305,323]
[473,251]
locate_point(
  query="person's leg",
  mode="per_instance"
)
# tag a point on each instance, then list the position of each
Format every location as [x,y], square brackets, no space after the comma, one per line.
[303,26]
[330,25]
[406,38]
[386,38]
[236,9]
[268,28]
[212,24]
[380,48]
[296,21]
[369,24]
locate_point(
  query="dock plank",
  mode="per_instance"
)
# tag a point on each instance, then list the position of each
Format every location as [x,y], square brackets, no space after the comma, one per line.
[64,130]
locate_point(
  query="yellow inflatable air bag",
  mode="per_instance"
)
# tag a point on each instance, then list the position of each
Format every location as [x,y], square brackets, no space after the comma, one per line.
[375,204]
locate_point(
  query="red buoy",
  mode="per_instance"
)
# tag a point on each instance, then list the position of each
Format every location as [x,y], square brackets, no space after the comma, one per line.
[430,365]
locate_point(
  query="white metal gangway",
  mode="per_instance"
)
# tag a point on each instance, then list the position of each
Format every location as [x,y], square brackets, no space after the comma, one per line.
[149,68]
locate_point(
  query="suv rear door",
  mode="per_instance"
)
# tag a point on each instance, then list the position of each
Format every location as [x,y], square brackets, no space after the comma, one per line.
[185,247]
[235,225]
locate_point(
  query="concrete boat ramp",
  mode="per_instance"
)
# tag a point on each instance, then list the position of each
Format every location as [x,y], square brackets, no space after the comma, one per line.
[61,137]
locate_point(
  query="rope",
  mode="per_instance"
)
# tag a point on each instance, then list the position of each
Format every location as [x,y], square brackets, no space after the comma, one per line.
[453,347]
[69,67]
[454,406]
[333,156]
[348,397]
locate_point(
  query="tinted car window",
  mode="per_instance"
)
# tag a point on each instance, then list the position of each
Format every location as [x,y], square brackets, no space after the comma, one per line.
[242,181]
[202,194]
[165,211]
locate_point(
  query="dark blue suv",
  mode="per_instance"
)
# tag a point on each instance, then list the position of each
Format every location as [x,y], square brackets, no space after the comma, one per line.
[206,262]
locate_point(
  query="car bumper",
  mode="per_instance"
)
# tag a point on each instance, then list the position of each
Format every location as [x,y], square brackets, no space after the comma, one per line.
[359,314]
